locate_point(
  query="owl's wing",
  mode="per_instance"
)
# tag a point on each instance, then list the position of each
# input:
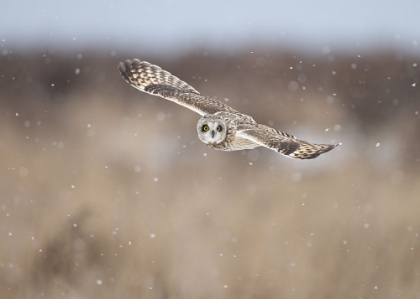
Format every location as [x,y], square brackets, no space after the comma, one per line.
[153,80]
[284,143]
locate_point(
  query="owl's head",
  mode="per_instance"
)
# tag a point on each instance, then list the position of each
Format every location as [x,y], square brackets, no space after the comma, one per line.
[211,129]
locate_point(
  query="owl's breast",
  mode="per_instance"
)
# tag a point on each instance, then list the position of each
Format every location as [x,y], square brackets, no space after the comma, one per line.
[239,143]
[235,144]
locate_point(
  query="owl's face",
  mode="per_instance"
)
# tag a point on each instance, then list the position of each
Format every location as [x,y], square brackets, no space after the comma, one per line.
[211,130]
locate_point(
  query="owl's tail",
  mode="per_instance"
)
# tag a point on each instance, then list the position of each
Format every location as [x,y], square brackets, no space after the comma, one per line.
[151,78]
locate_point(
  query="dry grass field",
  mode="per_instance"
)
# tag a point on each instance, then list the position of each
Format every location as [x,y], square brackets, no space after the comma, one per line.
[107,192]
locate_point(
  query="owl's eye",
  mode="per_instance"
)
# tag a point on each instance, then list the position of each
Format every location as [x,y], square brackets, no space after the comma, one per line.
[219,128]
[206,128]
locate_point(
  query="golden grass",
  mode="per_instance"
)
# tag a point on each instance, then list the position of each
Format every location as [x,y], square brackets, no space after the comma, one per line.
[99,202]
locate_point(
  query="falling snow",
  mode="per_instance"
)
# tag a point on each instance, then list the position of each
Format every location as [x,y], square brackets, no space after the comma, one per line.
[23,172]
[70,119]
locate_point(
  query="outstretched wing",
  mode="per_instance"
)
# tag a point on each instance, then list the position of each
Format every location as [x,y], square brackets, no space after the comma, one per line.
[284,143]
[153,80]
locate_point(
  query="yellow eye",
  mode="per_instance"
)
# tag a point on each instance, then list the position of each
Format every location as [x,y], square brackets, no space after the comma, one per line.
[206,128]
[219,128]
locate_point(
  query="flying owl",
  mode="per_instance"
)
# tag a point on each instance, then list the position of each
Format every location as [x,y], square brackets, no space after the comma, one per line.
[220,127]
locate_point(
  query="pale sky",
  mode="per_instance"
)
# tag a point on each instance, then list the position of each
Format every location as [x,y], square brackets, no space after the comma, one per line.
[178,24]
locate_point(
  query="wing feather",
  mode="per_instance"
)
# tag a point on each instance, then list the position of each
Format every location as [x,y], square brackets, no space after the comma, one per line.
[285,144]
[155,81]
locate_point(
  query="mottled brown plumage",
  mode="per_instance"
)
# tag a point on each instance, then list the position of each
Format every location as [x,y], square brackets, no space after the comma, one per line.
[220,127]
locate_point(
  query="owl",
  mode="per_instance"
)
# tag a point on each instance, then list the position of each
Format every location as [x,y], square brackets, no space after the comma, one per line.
[220,126]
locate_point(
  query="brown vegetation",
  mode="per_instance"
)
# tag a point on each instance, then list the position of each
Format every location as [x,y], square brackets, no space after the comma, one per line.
[107,192]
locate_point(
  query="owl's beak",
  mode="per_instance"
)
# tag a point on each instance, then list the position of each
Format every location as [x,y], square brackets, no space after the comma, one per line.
[212,134]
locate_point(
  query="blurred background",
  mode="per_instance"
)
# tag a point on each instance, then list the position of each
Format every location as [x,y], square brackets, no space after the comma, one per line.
[107,192]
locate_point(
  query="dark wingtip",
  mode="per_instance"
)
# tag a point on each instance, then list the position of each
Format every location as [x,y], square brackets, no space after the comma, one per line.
[330,147]
[123,67]
[333,146]
[323,151]
[135,63]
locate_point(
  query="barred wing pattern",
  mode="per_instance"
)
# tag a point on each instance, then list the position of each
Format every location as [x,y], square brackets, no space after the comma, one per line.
[153,80]
[285,144]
